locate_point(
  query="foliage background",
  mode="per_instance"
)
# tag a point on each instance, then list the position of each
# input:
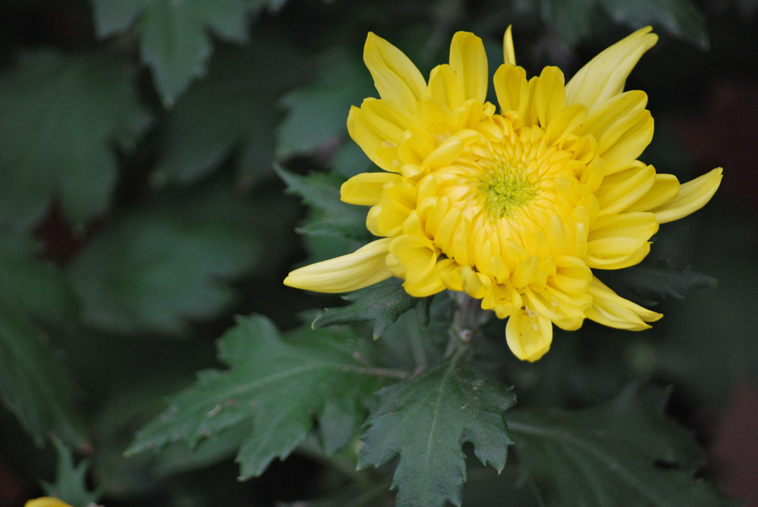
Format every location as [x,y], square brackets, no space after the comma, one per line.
[140,211]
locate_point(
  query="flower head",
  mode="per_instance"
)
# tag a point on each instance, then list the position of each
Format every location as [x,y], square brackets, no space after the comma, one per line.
[516,208]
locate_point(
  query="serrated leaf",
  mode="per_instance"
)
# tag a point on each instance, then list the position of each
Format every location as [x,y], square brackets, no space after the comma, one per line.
[572,19]
[624,453]
[233,107]
[152,270]
[333,217]
[649,285]
[70,480]
[426,420]
[174,36]
[382,302]
[280,385]
[59,114]
[318,112]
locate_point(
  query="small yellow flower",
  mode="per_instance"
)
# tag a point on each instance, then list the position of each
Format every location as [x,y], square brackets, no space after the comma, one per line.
[46,501]
[515,208]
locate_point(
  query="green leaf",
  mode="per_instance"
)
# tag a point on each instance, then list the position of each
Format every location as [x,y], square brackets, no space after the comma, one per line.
[152,270]
[623,453]
[233,107]
[680,17]
[71,480]
[33,383]
[32,285]
[332,216]
[278,384]
[572,18]
[175,36]
[649,285]
[318,112]
[426,420]
[59,114]
[383,303]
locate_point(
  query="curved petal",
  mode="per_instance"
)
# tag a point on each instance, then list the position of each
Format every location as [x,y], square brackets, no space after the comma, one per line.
[610,309]
[665,187]
[366,266]
[512,89]
[508,52]
[365,189]
[529,335]
[469,61]
[445,87]
[550,95]
[693,195]
[625,140]
[605,75]
[396,78]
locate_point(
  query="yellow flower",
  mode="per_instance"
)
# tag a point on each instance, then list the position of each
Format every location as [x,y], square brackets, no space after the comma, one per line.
[515,208]
[46,501]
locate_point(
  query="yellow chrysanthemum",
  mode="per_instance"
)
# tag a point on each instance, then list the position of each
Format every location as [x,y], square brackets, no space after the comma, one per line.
[515,208]
[46,501]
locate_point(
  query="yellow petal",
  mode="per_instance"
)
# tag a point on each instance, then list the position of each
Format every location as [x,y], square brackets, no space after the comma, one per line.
[445,87]
[625,140]
[396,203]
[605,75]
[372,144]
[529,335]
[415,256]
[508,52]
[366,266]
[396,78]
[550,95]
[469,61]
[665,188]
[622,189]
[612,310]
[607,114]
[46,501]
[512,89]
[693,195]
[564,123]
[365,189]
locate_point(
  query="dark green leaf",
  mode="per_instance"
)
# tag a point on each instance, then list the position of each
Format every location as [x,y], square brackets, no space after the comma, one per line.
[71,480]
[361,495]
[426,420]
[383,303]
[572,18]
[152,270]
[680,17]
[278,384]
[31,285]
[59,114]
[623,453]
[318,112]
[32,383]
[332,216]
[649,285]
[233,107]
[174,36]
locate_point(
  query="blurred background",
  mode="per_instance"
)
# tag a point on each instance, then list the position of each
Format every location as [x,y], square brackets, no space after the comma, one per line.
[140,211]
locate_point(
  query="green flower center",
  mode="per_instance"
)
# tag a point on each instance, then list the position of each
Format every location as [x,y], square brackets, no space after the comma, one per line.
[506,188]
